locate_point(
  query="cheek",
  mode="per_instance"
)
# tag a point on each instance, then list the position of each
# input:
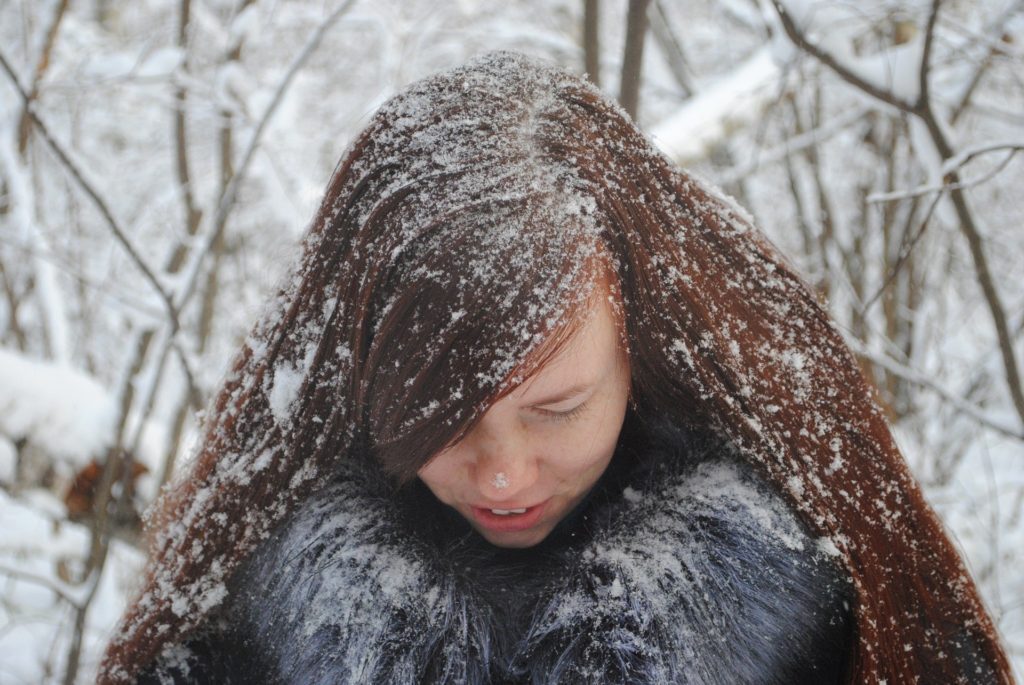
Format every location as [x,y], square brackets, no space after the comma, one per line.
[588,445]
[440,476]
[585,448]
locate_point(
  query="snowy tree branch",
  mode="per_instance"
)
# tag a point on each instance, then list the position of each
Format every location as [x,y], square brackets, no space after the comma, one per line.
[920,379]
[100,203]
[120,235]
[65,594]
[801,41]
[952,164]
[227,200]
[967,222]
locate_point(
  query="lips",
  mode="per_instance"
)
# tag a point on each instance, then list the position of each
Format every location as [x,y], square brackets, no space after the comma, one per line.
[509,523]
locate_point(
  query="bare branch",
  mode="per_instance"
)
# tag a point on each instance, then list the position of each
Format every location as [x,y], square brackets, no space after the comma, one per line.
[904,254]
[668,42]
[920,379]
[591,41]
[968,225]
[81,611]
[227,200]
[800,40]
[984,275]
[65,594]
[192,213]
[146,308]
[633,56]
[72,168]
[25,122]
[924,90]
[951,165]
[995,46]
[13,302]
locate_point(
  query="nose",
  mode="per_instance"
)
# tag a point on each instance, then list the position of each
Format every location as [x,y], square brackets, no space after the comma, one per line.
[504,468]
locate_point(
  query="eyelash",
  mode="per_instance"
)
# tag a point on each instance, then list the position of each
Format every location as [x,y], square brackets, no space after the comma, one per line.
[564,416]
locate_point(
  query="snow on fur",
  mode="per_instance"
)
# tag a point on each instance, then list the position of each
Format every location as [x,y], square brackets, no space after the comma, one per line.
[699,574]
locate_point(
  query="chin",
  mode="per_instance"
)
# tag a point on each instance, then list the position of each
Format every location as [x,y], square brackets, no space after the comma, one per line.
[517,540]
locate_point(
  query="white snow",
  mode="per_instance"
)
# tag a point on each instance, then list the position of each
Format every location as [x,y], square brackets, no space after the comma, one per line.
[57,408]
[162,62]
[728,103]
[108,94]
[283,390]
[40,553]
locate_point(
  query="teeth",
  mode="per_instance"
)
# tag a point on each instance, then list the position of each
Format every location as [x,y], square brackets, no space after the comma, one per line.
[506,512]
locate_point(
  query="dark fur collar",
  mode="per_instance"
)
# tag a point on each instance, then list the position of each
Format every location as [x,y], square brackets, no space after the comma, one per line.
[682,567]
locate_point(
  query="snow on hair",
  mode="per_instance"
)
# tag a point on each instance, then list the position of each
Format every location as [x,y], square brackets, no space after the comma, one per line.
[457,235]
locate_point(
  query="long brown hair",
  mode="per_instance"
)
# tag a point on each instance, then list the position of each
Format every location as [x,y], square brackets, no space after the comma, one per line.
[454,237]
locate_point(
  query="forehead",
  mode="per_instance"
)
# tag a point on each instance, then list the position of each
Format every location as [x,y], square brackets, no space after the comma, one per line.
[590,349]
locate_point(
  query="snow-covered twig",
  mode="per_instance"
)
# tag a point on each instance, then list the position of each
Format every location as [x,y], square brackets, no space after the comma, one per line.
[918,378]
[964,156]
[122,237]
[800,40]
[65,594]
[950,165]
[791,146]
[922,109]
[227,200]
[101,205]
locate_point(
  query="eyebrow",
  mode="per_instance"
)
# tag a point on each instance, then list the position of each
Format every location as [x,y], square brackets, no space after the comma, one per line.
[563,395]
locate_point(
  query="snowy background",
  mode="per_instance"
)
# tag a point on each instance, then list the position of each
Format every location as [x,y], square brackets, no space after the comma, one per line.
[174,150]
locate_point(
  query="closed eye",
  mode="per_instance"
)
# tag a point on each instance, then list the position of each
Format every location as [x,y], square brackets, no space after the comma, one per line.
[568,415]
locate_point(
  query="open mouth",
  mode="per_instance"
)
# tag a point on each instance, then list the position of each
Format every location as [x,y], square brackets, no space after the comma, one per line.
[509,520]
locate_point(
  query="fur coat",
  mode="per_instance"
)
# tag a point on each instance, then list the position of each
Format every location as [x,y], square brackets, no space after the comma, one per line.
[681,566]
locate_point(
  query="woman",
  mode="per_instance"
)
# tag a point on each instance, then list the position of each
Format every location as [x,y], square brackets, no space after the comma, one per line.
[538,407]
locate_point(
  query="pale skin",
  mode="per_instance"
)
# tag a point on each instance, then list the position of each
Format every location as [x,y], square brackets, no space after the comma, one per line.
[546,443]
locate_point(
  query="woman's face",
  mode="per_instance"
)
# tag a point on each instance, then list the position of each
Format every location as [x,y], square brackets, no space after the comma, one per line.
[542,447]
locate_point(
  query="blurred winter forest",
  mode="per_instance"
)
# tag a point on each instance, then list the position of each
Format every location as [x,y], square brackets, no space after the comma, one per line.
[159,160]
